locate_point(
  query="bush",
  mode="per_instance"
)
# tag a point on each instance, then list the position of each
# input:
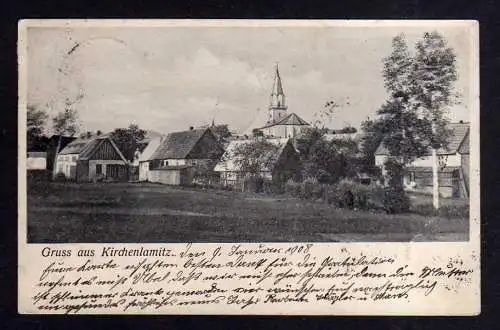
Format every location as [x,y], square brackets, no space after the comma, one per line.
[60,177]
[292,188]
[273,187]
[395,200]
[353,195]
[307,188]
[253,183]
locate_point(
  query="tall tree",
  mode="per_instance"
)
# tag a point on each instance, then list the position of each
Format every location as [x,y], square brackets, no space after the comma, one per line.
[66,123]
[126,139]
[221,132]
[36,120]
[412,119]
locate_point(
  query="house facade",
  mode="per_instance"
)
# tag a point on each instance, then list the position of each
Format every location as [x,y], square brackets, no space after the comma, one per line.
[142,159]
[91,160]
[284,165]
[453,174]
[180,155]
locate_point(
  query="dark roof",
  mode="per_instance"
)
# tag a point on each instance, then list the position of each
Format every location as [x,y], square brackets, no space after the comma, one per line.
[459,133]
[76,146]
[178,145]
[86,147]
[291,119]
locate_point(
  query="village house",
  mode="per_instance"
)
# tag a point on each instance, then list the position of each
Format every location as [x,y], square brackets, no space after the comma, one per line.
[281,123]
[93,159]
[36,161]
[453,173]
[284,165]
[178,157]
[141,160]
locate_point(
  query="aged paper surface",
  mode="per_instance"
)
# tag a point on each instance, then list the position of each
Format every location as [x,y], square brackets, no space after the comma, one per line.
[95,239]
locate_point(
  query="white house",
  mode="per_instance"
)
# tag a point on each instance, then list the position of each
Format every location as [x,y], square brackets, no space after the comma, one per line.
[454,170]
[143,158]
[36,161]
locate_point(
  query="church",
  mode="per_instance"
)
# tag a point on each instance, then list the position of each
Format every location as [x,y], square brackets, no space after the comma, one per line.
[280,122]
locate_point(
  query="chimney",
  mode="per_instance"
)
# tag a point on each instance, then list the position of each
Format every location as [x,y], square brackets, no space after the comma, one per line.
[461,122]
[191,128]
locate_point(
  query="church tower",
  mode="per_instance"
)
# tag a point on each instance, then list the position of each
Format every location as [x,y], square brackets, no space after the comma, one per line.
[277,105]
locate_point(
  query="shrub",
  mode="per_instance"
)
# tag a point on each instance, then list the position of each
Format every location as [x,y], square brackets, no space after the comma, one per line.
[318,191]
[307,188]
[60,177]
[395,200]
[292,188]
[253,183]
[353,195]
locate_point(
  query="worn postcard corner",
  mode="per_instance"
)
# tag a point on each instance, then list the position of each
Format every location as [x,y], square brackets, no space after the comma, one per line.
[261,167]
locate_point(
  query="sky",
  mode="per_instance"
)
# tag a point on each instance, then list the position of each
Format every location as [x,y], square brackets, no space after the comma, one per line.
[170,78]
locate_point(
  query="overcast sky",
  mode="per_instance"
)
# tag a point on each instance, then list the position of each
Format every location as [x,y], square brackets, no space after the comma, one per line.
[170,78]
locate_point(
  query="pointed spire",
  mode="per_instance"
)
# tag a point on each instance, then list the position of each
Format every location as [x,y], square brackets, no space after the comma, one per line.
[277,86]
[277,94]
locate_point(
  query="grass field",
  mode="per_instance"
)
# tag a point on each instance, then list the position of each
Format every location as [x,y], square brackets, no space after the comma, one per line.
[140,213]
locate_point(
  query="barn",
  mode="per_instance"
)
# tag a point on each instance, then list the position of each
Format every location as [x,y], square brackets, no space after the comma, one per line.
[91,160]
[180,154]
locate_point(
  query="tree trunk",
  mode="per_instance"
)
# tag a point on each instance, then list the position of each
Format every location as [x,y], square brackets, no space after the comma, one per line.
[435,179]
[54,169]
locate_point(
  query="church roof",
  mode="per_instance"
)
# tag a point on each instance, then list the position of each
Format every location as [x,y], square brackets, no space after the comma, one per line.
[290,119]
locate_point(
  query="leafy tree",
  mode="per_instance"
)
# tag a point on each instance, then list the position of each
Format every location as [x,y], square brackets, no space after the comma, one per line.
[66,123]
[126,139]
[326,161]
[36,119]
[254,157]
[221,132]
[412,119]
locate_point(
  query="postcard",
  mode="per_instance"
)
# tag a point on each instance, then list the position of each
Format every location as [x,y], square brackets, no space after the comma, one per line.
[258,167]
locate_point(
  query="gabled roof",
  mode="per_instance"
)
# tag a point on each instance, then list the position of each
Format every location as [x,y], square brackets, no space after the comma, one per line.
[75,147]
[150,148]
[459,135]
[85,148]
[228,164]
[291,119]
[178,145]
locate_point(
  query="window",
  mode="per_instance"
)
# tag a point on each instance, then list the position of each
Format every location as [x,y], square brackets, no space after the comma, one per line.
[165,163]
[98,169]
[73,158]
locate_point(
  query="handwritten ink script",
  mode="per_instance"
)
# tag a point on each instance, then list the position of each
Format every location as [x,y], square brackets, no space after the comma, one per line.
[119,280]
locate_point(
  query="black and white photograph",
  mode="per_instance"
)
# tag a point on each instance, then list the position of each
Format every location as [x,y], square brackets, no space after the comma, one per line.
[248,133]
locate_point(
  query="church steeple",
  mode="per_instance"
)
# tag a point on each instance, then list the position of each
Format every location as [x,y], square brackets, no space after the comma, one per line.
[277,104]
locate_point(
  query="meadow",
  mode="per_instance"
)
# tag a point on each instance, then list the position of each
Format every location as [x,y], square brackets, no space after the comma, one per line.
[63,212]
